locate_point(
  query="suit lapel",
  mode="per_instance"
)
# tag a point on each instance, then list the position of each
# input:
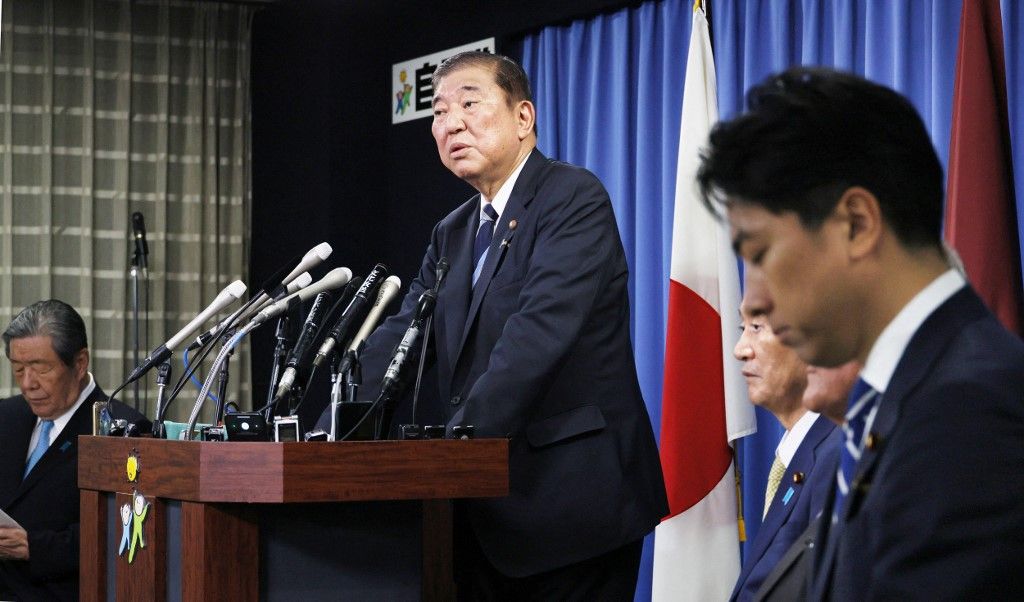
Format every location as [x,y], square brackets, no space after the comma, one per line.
[453,299]
[787,563]
[928,343]
[64,447]
[780,510]
[16,436]
[522,194]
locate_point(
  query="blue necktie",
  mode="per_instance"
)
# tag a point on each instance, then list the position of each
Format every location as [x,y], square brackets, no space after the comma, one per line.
[44,442]
[863,399]
[483,238]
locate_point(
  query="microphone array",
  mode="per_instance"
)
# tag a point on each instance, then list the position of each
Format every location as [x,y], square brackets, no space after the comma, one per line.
[282,294]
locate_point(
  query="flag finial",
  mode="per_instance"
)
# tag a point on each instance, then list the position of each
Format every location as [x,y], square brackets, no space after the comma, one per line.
[697,5]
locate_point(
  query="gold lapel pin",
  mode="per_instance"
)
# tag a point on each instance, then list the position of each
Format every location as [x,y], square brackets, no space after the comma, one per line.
[506,242]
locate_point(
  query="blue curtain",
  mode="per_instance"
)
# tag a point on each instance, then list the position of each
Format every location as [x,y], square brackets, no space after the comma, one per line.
[609,92]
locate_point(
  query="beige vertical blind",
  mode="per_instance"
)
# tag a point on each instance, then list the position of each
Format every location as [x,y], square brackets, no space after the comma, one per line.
[109,107]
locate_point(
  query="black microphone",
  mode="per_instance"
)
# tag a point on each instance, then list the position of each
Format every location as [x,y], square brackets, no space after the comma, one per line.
[392,382]
[139,234]
[304,343]
[440,271]
[359,304]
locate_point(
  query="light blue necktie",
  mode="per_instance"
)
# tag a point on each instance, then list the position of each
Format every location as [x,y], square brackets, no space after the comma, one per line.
[863,399]
[41,445]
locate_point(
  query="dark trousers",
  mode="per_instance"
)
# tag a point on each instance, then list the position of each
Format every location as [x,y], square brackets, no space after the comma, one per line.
[609,577]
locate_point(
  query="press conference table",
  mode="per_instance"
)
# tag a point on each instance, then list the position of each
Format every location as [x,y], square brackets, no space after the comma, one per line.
[247,521]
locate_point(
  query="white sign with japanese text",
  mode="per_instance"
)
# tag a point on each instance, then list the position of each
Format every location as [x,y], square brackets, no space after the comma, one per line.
[411,91]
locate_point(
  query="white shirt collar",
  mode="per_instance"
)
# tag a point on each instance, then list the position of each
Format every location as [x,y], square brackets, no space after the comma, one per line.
[792,438]
[501,198]
[62,421]
[888,349]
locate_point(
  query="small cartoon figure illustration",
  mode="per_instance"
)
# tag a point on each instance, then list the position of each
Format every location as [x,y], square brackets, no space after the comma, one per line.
[126,522]
[141,508]
[403,96]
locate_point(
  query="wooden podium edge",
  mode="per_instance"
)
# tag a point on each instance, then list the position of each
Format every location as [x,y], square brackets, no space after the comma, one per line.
[271,473]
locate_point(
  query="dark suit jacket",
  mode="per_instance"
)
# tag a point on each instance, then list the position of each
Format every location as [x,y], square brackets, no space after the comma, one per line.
[790,578]
[539,352]
[46,502]
[815,460]
[936,506]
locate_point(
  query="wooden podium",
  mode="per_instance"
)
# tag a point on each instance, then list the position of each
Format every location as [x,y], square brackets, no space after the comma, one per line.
[224,488]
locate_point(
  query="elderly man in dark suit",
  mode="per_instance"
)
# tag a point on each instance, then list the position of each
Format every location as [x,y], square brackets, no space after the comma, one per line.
[833,192]
[47,346]
[532,343]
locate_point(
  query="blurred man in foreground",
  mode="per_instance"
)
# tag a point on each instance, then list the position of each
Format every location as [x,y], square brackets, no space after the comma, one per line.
[834,193]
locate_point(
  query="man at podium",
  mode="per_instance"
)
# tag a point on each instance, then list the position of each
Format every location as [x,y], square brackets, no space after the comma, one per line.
[47,346]
[531,342]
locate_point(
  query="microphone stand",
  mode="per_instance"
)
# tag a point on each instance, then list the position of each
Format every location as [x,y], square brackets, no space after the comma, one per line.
[442,271]
[137,271]
[337,395]
[280,355]
[344,386]
[222,384]
[353,376]
[163,374]
[419,371]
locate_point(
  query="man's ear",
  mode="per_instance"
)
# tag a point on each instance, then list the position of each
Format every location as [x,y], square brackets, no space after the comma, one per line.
[81,363]
[526,117]
[859,208]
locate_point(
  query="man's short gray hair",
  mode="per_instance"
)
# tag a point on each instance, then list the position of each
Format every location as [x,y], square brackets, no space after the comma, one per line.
[52,318]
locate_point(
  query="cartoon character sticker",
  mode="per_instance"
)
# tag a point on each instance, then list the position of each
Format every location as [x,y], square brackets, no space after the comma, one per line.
[140,508]
[126,522]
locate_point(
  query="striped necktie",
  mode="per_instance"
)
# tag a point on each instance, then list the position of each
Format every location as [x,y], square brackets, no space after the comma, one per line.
[774,478]
[483,238]
[44,442]
[863,401]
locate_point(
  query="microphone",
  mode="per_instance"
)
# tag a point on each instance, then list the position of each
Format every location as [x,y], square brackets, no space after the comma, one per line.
[388,291]
[259,303]
[304,343]
[310,260]
[440,271]
[298,284]
[391,383]
[139,234]
[229,295]
[336,278]
[351,313]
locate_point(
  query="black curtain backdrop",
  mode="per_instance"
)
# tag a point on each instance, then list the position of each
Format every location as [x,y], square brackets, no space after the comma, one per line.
[328,165]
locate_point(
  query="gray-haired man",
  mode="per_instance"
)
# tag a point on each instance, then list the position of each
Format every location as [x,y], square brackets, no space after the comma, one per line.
[48,349]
